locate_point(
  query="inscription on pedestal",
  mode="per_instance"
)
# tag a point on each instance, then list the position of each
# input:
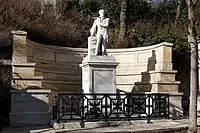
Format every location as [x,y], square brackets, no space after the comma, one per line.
[103,81]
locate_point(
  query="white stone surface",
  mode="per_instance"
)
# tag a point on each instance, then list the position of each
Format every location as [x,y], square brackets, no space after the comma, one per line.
[99,74]
[100,31]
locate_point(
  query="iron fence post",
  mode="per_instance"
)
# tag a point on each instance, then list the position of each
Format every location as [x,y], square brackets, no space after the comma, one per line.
[106,106]
[82,123]
[128,105]
[148,106]
[54,108]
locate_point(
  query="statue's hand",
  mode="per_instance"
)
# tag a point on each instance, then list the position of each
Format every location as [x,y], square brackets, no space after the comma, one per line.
[99,24]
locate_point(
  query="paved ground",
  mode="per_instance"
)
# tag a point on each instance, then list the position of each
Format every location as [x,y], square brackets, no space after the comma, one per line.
[139,126]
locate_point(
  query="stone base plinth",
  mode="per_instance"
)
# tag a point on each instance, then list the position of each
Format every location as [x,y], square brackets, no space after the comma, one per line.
[175,105]
[99,74]
[156,86]
[30,107]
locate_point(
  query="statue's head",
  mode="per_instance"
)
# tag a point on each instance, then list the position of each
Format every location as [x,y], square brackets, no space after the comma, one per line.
[101,13]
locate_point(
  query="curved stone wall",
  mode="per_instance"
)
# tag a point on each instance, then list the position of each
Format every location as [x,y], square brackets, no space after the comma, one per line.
[59,66]
[140,69]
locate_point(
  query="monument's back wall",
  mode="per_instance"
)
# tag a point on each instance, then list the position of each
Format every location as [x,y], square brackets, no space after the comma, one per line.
[140,69]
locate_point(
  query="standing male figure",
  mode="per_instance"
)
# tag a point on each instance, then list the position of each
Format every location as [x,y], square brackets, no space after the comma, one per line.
[100,29]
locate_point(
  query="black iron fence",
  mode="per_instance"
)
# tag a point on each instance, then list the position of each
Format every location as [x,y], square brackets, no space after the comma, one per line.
[98,107]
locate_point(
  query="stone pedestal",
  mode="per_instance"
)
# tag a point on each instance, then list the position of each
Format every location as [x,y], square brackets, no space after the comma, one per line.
[99,74]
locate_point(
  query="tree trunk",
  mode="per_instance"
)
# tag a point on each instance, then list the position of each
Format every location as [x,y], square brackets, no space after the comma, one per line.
[177,13]
[122,31]
[193,70]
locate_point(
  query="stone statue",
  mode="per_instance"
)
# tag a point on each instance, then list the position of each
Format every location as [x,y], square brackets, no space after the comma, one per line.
[100,30]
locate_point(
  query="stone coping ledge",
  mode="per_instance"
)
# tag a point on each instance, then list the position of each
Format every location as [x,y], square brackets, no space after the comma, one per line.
[24,64]
[99,63]
[85,50]
[159,82]
[39,91]
[164,71]
[99,58]
[170,93]
[19,32]
[28,78]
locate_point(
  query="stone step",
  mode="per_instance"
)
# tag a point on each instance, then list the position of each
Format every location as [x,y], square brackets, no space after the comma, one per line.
[149,86]
[162,75]
[152,76]
[62,86]
[166,87]
[157,86]
[22,83]
[27,69]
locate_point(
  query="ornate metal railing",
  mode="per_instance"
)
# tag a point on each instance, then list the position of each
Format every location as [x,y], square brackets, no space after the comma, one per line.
[98,107]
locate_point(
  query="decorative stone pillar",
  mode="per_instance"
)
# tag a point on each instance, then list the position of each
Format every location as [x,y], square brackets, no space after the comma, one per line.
[99,74]
[164,57]
[91,45]
[19,47]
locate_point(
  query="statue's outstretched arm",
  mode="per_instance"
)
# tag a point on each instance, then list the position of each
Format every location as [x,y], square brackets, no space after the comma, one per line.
[105,25]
